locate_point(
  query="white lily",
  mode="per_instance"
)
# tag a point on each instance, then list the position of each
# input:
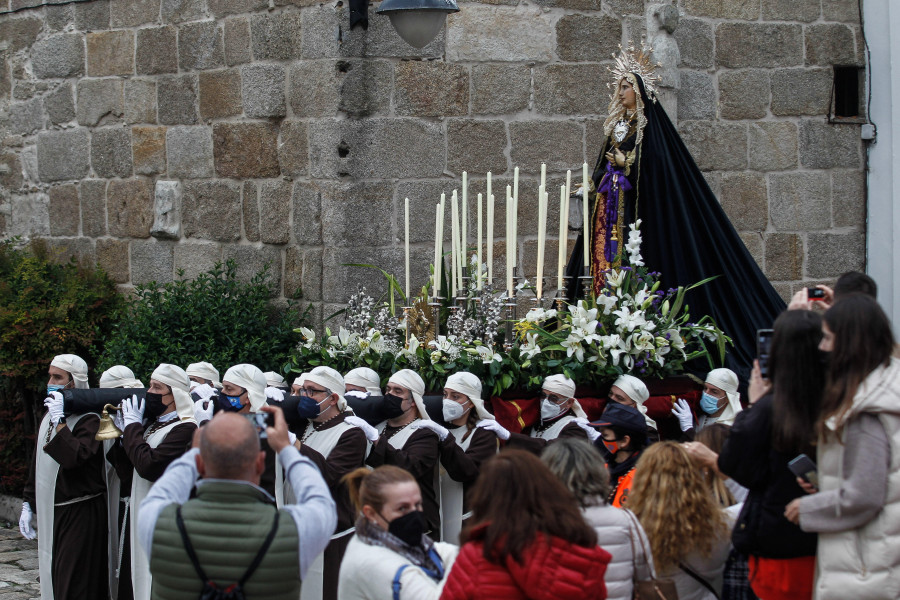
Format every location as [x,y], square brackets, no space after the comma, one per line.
[615,278]
[487,355]
[307,333]
[607,302]
[530,348]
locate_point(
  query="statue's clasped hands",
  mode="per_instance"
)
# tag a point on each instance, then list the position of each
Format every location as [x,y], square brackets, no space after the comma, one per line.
[616,157]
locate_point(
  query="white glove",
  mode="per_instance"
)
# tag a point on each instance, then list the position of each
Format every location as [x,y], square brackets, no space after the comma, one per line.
[203,411]
[204,391]
[274,394]
[682,411]
[119,420]
[442,432]
[492,425]
[132,411]
[371,432]
[54,404]
[357,394]
[193,384]
[25,527]
[592,433]
[292,438]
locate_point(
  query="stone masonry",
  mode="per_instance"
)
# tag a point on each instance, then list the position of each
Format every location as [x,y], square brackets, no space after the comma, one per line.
[157,137]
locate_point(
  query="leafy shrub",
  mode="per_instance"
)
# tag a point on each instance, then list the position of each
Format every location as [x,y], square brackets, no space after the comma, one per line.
[46,308]
[214,317]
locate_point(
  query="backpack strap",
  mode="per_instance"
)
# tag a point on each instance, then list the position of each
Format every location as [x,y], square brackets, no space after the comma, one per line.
[262,550]
[189,547]
[694,575]
[395,584]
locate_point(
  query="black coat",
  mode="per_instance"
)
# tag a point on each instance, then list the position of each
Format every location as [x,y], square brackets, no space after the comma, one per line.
[749,458]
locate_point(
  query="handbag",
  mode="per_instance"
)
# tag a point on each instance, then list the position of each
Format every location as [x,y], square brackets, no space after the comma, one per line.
[653,588]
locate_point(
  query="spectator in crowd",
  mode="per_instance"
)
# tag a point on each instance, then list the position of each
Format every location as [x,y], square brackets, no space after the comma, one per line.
[688,532]
[720,403]
[464,450]
[623,437]
[411,441]
[66,491]
[764,439]
[527,538]
[852,282]
[575,463]
[857,510]
[391,557]
[266,551]
[561,416]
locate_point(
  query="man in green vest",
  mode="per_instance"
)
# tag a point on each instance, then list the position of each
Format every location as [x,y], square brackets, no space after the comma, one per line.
[231,533]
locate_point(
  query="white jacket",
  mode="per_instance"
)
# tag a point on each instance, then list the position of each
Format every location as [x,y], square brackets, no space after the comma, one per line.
[367,573]
[617,533]
[864,563]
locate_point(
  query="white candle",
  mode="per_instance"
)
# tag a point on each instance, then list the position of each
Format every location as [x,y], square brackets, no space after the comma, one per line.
[438,238]
[509,242]
[464,225]
[454,241]
[542,239]
[544,175]
[478,268]
[406,222]
[490,237]
[560,263]
[586,238]
[515,220]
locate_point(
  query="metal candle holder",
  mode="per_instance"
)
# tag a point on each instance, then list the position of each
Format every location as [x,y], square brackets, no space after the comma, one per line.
[435,305]
[587,285]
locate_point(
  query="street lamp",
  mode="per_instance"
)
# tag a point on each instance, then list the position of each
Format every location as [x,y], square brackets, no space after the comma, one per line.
[418,21]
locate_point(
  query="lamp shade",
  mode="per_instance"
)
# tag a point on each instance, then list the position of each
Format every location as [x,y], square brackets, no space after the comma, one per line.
[417,21]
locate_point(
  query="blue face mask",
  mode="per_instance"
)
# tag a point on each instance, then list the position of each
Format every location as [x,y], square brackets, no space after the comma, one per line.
[54,388]
[309,408]
[228,403]
[709,404]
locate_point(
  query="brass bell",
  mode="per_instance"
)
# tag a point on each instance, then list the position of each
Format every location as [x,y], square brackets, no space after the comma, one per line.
[108,429]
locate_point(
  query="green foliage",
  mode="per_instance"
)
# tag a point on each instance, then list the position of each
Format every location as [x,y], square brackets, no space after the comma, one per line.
[214,317]
[46,308]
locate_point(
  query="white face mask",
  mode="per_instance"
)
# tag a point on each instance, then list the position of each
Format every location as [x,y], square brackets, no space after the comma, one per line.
[550,410]
[453,410]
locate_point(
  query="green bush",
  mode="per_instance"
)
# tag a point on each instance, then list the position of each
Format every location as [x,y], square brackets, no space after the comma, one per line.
[46,308]
[214,317]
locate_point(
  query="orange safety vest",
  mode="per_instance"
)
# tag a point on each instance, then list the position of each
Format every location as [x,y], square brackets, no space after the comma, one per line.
[623,488]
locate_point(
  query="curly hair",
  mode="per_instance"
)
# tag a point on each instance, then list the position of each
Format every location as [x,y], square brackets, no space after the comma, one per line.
[673,503]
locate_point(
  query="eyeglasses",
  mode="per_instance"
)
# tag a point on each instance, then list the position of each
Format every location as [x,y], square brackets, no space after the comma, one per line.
[553,398]
[311,392]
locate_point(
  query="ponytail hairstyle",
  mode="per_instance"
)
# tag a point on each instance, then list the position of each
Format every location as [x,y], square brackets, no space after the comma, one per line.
[366,488]
[863,341]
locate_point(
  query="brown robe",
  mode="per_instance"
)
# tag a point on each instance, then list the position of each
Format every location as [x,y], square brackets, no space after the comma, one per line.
[465,465]
[524,441]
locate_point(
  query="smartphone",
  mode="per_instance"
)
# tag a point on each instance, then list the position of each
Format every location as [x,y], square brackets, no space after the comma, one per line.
[260,421]
[763,347]
[815,293]
[804,468]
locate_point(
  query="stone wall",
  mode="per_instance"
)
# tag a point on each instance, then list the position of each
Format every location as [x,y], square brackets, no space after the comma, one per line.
[161,136]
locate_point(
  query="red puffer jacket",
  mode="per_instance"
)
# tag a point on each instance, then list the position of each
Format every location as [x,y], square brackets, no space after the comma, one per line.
[556,570]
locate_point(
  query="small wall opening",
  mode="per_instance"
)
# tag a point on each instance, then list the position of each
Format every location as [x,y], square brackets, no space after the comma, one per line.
[848,92]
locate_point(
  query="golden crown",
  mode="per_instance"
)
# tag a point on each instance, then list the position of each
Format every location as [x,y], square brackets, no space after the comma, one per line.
[633,60]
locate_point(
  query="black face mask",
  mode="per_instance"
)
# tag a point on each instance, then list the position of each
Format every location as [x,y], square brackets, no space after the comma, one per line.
[393,406]
[409,528]
[224,405]
[154,406]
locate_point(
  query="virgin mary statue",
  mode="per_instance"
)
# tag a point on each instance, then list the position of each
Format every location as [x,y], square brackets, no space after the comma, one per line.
[644,171]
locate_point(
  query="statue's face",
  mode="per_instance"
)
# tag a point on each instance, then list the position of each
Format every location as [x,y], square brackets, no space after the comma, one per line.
[626,95]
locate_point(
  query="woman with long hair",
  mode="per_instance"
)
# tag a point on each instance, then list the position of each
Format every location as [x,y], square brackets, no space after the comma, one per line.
[772,432]
[688,532]
[575,463]
[857,510]
[390,557]
[526,538]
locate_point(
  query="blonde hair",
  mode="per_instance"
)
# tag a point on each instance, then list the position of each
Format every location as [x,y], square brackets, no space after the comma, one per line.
[673,503]
[713,437]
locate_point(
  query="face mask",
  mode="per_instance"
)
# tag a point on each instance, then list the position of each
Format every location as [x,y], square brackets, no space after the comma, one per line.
[393,406]
[709,404]
[409,528]
[309,408]
[229,403]
[154,406]
[54,388]
[611,446]
[453,410]
[550,410]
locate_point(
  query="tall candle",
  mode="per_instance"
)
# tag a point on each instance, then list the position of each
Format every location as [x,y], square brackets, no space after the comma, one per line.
[406,222]
[464,223]
[542,239]
[509,241]
[478,268]
[438,238]
[490,237]
[515,223]
[585,200]
[544,175]
[560,263]
[454,241]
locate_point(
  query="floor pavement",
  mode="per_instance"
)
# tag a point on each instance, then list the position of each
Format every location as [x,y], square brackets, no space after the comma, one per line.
[18,565]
